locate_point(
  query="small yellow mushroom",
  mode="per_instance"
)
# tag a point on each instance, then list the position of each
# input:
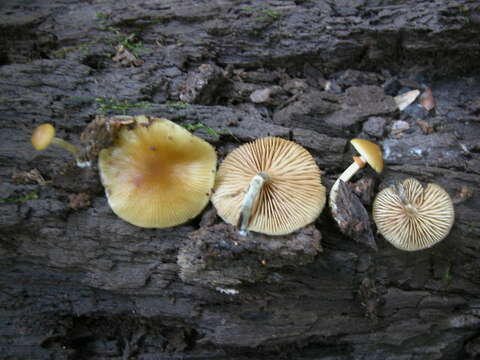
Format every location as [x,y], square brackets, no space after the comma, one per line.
[44,136]
[370,153]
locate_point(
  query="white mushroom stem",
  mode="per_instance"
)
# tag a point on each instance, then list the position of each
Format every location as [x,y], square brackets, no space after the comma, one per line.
[72,148]
[359,162]
[249,200]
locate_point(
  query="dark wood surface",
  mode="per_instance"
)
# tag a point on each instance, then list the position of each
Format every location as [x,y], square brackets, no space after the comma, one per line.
[79,283]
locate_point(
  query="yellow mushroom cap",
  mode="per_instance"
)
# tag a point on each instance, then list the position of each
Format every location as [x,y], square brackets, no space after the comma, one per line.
[411,217]
[159,175]
[292,197]
[43,136]
[370,151]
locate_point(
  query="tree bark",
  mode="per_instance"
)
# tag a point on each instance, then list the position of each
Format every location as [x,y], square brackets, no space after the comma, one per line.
[79,283]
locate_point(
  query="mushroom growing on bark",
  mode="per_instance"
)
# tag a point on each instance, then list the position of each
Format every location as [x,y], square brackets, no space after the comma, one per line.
[44,136]
[270,185]
[157,174]
[370,153]
[412,217]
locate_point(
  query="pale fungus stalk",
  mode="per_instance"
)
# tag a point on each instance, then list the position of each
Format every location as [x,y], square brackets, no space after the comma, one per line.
[44,136]
[358,163]
[73,150]
[250,199]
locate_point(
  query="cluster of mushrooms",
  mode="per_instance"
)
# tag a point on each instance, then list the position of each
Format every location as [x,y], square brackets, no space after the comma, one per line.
[157,174]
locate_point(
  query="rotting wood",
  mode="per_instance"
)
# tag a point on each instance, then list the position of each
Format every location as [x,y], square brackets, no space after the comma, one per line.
[80,283]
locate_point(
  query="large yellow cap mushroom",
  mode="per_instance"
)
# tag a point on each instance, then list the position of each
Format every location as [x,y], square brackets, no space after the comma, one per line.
[157,174]
[411,217]
[270,186]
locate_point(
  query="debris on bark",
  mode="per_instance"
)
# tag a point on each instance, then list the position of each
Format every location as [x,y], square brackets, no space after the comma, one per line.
[399,126]
[125,58]
[25,177]
[425,126]
[352,218]
[219,256]
[203,84]
[426,99]
[85,284]
[405,99]
[79,201]
[375,126]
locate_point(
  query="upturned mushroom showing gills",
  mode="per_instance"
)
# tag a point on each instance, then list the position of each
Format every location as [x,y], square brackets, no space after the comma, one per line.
[270,186]
[412,217]
[370,153]
[157,174]
[44,136]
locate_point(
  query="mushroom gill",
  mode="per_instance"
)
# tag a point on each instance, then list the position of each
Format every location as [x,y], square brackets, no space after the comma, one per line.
[270,185]
[411,217]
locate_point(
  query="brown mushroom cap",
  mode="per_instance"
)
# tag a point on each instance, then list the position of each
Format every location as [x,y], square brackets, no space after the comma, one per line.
[370,152]
[411,217]
[291,198]
[42,136]
[157,175]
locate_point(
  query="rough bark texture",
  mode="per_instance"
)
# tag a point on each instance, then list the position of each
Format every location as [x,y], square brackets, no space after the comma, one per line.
[79,283]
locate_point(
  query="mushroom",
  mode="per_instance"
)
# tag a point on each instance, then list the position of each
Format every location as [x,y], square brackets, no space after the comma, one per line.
[412,217]
[157,174]
[370,153]
[44,136]
[270,186]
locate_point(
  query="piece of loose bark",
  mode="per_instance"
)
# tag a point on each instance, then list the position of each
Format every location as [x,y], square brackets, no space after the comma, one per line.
[352,217]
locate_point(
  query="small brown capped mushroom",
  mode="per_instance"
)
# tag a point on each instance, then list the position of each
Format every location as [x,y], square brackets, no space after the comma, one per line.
[157,174]
[44,136]
[412,217]
[270,185]
[370,154]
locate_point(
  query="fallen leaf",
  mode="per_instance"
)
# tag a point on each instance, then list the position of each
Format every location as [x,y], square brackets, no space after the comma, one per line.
[425,126]
[405,99]
[399,126]
[462,195]
[79,201]
[427,100]
[125,57]
[260,96]
[25,177]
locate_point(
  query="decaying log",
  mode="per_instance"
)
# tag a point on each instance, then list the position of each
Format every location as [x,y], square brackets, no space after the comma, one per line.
[79,283]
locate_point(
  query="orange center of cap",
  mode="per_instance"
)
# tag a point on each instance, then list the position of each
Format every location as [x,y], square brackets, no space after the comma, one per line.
[157,167]
[158,175]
